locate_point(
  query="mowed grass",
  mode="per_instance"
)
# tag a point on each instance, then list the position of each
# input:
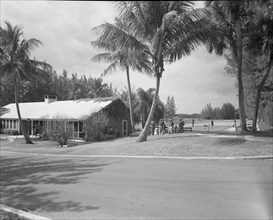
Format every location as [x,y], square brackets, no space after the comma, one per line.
[183,145]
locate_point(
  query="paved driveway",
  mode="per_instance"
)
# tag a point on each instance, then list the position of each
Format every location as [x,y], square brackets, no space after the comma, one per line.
[115,188]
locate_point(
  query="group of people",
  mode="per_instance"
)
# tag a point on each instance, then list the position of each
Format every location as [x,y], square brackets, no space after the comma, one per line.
[163,128]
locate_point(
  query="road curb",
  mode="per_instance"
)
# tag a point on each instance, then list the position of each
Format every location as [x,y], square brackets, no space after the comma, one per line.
[173,158]
[22,213]
[150,157]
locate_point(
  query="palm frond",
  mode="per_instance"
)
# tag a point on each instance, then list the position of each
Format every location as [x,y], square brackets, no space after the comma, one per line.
[103,57]
[133,15]
[41,65]
[27,46]
[15,54]
[111,68]
[113,37]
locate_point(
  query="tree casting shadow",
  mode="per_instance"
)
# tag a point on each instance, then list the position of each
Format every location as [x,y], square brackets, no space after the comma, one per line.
[19,176]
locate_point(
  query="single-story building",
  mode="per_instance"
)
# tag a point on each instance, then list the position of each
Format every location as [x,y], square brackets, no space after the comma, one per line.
[43,115]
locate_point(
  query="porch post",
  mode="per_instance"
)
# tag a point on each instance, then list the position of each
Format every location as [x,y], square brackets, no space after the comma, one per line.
[18,125]
[31,127]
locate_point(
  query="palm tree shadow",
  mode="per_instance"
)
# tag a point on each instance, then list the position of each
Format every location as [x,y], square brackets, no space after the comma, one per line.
[20,176]
[229,141]
[170,136]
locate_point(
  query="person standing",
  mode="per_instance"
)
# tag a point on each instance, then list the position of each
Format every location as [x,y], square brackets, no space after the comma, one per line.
[152,127]
[181,125]
[192,123]
[171,126]
[212,124]
[162,127]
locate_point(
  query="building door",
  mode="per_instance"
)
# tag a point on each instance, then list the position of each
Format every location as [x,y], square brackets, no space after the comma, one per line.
[124,131]
[78,129]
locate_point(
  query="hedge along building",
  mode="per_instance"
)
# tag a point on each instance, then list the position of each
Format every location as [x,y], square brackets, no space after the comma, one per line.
[39,117]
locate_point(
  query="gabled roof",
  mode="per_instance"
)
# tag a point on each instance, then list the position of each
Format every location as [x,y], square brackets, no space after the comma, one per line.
[70,109]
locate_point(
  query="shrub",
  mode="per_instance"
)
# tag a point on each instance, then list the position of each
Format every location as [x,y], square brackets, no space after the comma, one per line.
[10,132]
[107,137]
[14,132]
[61,132]
[95,126]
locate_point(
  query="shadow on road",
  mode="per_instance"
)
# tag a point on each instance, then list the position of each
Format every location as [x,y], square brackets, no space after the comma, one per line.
[19,176]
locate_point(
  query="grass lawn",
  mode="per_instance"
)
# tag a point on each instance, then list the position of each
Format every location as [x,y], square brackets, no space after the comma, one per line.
[206,144]
[184,145]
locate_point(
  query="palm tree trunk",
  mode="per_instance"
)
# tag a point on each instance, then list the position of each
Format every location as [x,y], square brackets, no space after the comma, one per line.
[259,91]
[130,99]
[144,133]
[142,120]
[27,139]
[239,62]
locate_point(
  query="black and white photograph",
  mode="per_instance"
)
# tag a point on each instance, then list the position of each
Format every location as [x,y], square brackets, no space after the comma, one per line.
[136,110]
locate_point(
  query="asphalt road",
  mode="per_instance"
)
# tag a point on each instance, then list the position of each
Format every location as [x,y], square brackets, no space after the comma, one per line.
[115,188]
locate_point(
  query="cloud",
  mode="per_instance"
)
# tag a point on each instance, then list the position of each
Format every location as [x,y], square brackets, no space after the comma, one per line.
[64,27]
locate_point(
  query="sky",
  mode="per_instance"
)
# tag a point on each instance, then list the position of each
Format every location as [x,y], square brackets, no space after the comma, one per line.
[64,27]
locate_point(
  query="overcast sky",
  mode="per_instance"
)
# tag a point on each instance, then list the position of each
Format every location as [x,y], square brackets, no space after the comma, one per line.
[64,27]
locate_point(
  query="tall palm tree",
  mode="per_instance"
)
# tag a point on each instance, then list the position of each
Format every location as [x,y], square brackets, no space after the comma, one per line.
[165,30]
[260,43]
[16,63]
[229,24]
[124,58]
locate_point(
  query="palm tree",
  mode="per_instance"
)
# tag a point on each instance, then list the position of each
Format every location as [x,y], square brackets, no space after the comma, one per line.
[144,102]
[16,63]
[260,43]
[229,26]
[165,30]
[124,58]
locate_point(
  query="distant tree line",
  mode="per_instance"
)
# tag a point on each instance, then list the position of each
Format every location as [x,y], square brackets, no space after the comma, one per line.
[194,115]
[227,111]
[65,87]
